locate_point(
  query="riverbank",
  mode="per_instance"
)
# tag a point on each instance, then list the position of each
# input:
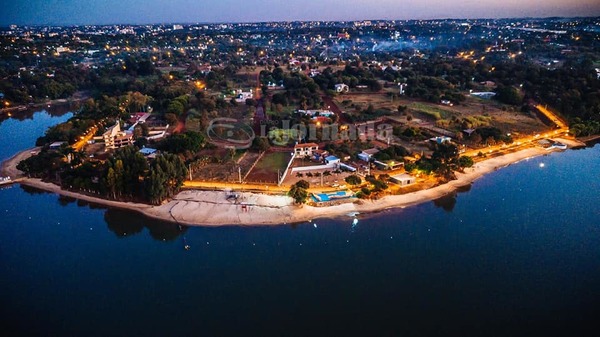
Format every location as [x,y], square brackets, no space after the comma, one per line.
[213,208]
[77,97]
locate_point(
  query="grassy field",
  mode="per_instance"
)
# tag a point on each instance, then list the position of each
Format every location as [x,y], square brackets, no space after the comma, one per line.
[266,169]
[286,110]
[274,161]
[479,112]
[436,112]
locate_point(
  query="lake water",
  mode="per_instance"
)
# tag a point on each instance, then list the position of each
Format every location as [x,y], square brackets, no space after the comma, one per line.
[516,254]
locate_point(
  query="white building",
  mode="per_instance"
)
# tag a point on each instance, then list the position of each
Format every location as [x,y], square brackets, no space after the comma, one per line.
[114,138]
[440,139]
[305,149]
[366,155]
[483,94]
[313,113]
[332,160]
[242,96]
[403,179]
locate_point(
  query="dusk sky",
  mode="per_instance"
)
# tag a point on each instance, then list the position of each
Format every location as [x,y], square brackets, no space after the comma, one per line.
[66,12]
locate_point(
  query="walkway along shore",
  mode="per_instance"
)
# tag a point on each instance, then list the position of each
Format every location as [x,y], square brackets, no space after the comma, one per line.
[211,208]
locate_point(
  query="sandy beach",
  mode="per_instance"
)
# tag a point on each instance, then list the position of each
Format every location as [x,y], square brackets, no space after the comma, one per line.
[212,208]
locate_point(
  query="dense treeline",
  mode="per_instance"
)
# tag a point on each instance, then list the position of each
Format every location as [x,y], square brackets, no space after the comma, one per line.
[127,175]
[300,89]
[573,89]
[444,161]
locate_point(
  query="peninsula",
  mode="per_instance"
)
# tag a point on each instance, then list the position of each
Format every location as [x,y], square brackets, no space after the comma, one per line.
[271,123]
[212,208]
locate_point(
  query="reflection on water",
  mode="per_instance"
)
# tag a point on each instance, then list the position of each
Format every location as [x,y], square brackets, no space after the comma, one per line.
[54,111]
[33,190]
[122,223]
[126,223]
[464,189]
[448,201]
[64,200]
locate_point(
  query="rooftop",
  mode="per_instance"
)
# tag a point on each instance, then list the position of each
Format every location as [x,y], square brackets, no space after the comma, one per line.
[302,145]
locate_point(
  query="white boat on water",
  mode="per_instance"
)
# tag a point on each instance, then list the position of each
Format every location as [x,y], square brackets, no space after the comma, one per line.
[557,145]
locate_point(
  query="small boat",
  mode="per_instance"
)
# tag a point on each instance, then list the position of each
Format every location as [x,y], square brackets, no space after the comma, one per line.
[353,214]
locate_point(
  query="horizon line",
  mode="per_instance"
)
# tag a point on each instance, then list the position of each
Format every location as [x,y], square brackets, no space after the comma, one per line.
[291,21]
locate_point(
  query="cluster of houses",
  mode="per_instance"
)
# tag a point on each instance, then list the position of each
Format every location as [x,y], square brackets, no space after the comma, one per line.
[318,116]
[312,152]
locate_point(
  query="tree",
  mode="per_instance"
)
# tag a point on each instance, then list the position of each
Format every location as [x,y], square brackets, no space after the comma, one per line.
[475,138]
[119,171]
[135,101]
[445,159]
[353,180]
[167,174]
[111,182]
[299,192]
[465,161]
[171,118]
[303,184]
[509,95]
[182,142]
[175,107]
[260,144]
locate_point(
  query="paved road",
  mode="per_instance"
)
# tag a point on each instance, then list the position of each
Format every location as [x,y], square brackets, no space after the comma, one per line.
[554,118]
[249,187]
[84,139]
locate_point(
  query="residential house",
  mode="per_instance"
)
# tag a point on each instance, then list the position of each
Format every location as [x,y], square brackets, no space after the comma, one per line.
[366,155]
[314,72]
[319,155]
[388,164]
[440,139]
[403,179]
[205,69]
[332,160]
[56,145]
[305,149]
[242,96]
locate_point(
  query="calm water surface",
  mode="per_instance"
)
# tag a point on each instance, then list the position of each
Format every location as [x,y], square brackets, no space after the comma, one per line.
[516,254]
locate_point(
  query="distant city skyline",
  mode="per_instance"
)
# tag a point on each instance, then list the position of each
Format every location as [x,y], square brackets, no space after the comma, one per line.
[78,12]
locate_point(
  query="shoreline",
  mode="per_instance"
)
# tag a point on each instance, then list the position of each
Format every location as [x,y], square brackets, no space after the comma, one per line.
[211,208]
